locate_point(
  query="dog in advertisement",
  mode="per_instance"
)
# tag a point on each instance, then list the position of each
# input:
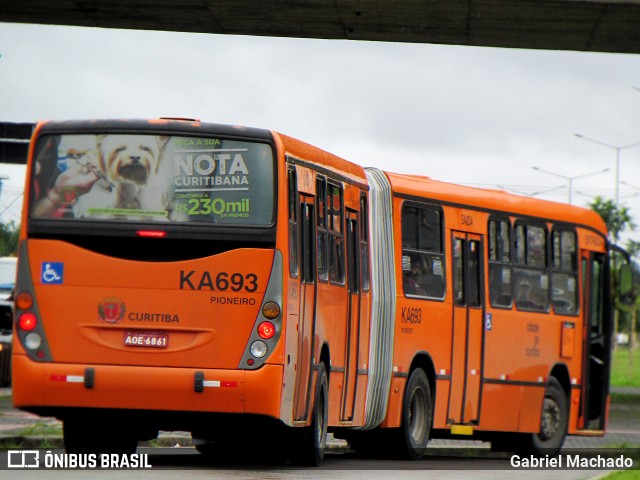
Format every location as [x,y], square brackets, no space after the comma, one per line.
[129,169]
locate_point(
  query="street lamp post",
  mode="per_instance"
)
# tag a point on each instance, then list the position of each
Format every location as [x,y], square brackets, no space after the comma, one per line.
[534,194]
[635,187]
[618,149]
[570,179]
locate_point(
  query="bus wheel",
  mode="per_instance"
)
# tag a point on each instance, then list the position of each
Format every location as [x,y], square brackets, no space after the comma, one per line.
[417,415]
[553,423]
[83,436]
[310,450]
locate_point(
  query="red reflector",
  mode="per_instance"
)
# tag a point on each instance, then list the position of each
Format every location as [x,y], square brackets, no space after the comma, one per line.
[151,233]
[266,330]
[27,321]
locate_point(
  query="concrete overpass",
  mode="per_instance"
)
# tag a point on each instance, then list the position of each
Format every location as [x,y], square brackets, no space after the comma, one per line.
[14,142]
[585,25]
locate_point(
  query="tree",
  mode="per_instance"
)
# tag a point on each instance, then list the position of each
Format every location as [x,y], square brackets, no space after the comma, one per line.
[633,248]
[617,218]
[9,234]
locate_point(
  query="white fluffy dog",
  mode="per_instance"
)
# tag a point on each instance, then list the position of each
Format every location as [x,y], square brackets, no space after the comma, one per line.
[128,165]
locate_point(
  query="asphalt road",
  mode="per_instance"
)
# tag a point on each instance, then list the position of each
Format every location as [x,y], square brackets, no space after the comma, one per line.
[172,463]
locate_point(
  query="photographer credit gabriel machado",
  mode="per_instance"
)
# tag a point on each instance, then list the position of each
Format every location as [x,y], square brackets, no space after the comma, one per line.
[572,462]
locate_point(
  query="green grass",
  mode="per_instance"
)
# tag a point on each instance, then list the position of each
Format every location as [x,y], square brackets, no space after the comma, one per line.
[623,475]
[632,474]
[623,374]
[42,429]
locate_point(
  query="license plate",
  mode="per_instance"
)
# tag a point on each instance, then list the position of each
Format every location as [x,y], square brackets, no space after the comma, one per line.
[146,339]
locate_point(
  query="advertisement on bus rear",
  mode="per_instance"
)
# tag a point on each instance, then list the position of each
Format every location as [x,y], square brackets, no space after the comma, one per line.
[153,178]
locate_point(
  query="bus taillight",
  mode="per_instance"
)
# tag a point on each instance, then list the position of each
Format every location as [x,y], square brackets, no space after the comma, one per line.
[266,330]
[27,321]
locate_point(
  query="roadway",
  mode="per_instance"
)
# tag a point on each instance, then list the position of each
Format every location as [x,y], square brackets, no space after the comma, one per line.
[445,459]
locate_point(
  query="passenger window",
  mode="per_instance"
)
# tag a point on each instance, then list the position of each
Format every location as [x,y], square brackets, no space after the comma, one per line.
[422,252]
[531,279]
[536,247]
[293,222]
[458,272]
[564,291]
[473,271]
[500,268]
[321,192]
[364,243]
[335,207]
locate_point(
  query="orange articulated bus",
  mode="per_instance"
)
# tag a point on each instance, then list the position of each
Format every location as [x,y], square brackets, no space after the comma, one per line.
[240,284]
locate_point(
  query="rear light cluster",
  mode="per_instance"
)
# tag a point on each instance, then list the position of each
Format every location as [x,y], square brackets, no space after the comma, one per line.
[266,331]
[267,328]
[27,323]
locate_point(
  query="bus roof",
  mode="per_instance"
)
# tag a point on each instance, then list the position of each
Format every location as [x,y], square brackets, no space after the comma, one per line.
[495,201]
[175,125]
[305,152]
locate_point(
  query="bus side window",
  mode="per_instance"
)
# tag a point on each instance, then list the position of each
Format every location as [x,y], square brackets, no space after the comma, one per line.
[307,242]
[422,252]
[474,282]
[353,258]
[564,280]
[336,234]
[458,272]
[293,222]
[531,279]
[321,192]
[597,297]
[500,269]
[364,242]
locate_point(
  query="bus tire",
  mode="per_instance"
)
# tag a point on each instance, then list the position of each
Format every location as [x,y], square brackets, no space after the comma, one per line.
[554,420]
[310,449]
[417,416]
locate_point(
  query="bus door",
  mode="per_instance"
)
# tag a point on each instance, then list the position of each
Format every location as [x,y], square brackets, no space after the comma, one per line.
[468,329]
[353,318]
[307,307]
[596,342]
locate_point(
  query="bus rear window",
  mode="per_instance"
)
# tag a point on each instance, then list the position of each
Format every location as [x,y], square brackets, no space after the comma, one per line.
[153,178]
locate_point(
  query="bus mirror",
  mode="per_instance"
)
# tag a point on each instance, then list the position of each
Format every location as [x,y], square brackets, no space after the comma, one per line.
[627,294]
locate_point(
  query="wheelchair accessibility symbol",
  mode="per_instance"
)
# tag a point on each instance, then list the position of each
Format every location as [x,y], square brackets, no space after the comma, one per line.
[52,273]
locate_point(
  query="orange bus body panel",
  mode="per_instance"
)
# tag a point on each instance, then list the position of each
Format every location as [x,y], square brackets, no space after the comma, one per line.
[145,388]
[203,331]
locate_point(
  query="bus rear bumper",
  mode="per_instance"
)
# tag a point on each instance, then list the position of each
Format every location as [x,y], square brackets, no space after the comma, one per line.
[51,386]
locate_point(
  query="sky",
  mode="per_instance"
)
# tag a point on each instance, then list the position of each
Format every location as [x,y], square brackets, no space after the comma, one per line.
[472,115]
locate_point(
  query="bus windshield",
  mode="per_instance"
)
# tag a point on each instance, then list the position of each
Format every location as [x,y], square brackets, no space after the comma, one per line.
[153,178]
